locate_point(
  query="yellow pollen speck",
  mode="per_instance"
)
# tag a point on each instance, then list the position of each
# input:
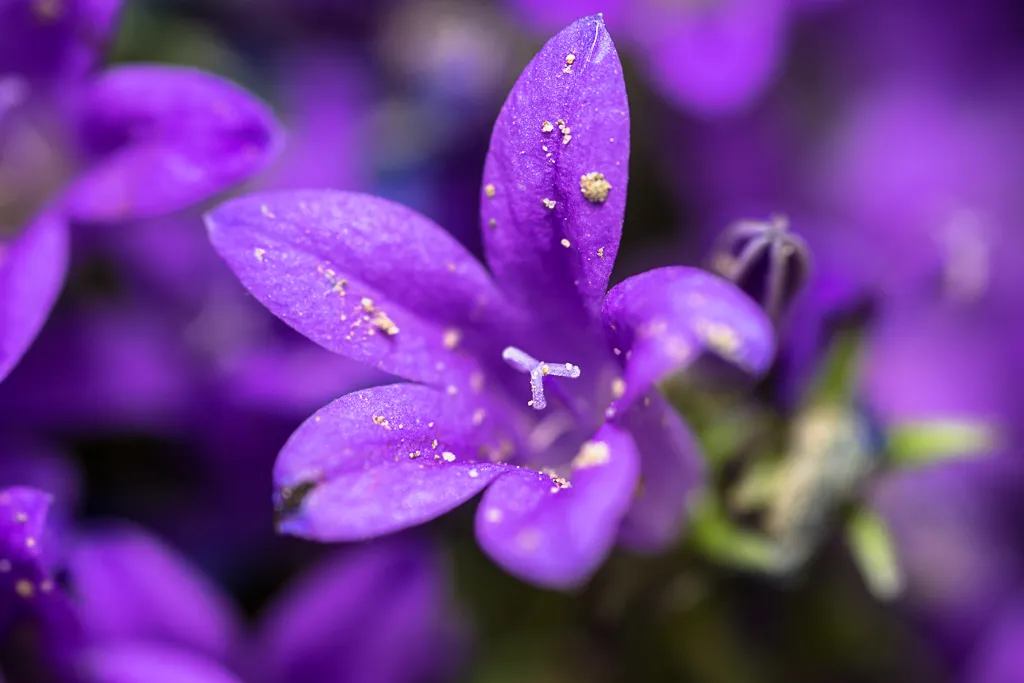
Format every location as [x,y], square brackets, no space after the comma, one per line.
[478,416]
[549,203]
[259,254]
[719,336]
[382,421]
[618,387]
[452,390]
[414,455]
[595,187]
[367,304]
[545,370]
[452,337]
[490,190]
[20,517]
[382,322]
[24,588]
[566,138]
[448,456]
[492,224]
[433,444]
[566,243]
[476,381]
[30,542]
[46,586]
[592,454]
[600,252]
[493,515]
[546,127]
[570,58]
[558,481]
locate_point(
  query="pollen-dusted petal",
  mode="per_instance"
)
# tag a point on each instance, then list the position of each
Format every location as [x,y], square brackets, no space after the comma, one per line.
[713,57]
[536,166]
[334,263]
[556,532]
[341,619]
[32,269]
[132,661]
[346,474]
[664,319]
[161,138]
[131,585]
[671,469]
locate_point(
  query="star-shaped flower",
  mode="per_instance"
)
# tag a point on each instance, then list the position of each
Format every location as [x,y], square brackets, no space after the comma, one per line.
[527,379]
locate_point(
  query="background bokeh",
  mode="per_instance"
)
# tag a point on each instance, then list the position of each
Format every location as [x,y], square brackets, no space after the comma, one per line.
[887,132]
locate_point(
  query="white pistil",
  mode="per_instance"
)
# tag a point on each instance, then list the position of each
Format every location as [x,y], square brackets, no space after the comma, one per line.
[524,362]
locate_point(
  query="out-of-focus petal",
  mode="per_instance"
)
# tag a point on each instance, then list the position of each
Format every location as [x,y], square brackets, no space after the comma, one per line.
[1000,658]
[130,585]
[384,459]
[32,269]
[671,468]
[340,621]
[46,40]
[138,662]
[662,320]
[363,277]
[160,138]
[713,59]
[555,532]
[554,185]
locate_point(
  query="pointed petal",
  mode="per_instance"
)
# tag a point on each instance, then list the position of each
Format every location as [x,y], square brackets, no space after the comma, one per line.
[671,470]
[131,585]
[384,459]
[662,321]
[162,138]
[134,662]
[339,266]
[32,268]
[554,536]
[556,173]
[340,621]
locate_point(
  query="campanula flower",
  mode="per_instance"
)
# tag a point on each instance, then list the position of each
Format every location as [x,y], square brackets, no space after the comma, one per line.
[527,379]
[77,145]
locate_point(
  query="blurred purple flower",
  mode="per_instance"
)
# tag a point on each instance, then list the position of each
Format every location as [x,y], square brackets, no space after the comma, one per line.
[375,281]
[132,141]
[711,57]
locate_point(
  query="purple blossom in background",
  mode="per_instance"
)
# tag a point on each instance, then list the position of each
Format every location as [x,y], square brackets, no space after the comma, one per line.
[711,57]
[131,141]
[608,459]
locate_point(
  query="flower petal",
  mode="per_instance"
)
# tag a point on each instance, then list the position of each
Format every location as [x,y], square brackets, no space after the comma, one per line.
[46,40]
[340,621]
[161,138]
[714,59]
[671,470]
[663,319]
[554,192]
[32,269]
[384,459]
[134,662]
[131,585]
[363,277]
[553,536]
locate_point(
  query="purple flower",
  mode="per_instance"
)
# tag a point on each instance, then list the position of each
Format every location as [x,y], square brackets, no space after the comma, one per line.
[132,141]
[607,459]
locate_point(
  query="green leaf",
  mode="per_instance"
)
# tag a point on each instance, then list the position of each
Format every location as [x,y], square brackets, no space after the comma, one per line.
[874,553]
[836,379]
[718,539]
[921,443]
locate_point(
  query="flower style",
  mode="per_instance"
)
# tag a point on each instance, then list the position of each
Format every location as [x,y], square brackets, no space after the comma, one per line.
[132,141]
[596,455]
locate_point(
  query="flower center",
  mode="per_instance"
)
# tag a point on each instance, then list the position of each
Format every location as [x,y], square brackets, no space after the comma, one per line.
[538,370]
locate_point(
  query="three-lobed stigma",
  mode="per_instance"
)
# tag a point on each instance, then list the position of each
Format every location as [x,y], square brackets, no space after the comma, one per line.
[537,369]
